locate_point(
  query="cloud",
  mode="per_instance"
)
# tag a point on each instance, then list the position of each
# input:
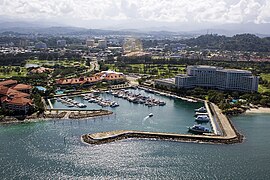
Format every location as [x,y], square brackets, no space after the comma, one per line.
[195,11]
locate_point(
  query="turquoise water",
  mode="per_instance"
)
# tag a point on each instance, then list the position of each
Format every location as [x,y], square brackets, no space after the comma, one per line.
[41,88]
[53,150]
[59,92]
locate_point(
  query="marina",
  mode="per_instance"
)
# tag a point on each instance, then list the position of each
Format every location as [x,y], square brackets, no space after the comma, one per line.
[52,142]
[137,98]
[167,94]
[70,102]
[179,119]
[115,98]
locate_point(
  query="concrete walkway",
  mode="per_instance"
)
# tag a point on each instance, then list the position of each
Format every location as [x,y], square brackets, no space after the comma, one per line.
[227,128]
[50,104]
[212,119]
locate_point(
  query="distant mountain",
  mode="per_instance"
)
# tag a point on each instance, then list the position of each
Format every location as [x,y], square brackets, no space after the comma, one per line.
[136,28]
[240,42]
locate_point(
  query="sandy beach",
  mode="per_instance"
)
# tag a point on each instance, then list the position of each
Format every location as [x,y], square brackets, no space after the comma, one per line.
[258,110]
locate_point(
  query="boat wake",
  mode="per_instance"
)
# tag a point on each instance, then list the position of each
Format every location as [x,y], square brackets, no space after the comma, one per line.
[144,119]
[147,117]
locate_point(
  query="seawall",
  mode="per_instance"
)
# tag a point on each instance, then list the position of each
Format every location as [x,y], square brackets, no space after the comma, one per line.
[229,133]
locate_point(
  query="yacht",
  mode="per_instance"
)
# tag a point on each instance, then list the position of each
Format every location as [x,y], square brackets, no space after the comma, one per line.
[198,129]
[114,104]
[91,100]
[81,105]
[202,118]
[162,103]
[201,110]
[151,115]
[70,105]
[86,97]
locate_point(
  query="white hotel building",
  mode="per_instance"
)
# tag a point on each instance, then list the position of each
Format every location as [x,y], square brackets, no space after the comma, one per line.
[219,78]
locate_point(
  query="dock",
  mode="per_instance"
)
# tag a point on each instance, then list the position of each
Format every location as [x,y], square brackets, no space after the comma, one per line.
[50,104]
[212,119]
[199,113]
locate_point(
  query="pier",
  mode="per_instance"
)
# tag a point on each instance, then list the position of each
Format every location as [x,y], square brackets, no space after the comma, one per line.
[75,114]
[212,119]
[50,104]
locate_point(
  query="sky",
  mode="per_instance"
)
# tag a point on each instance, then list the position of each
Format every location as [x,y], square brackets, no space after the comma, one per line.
[109,13]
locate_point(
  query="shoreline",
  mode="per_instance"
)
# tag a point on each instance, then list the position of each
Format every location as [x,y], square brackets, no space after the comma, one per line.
[260,110]
[61,116]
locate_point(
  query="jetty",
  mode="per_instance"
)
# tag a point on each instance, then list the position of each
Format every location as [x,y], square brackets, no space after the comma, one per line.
[137,98]
[75,114]
[219,122]
[50,104]
[213,123]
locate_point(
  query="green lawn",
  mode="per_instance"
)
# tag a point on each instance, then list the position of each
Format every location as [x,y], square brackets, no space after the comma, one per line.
[263,89]
[265,77]
[66,63]
[12,72]
[157,69]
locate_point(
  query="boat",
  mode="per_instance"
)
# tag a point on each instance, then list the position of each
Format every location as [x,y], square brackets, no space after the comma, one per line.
[151,115]
[149,90]
[162,103]
[114,104]
[198,129]
[96,92]
[149,104]
[141,101]
[91,100]
[202,118]
[86,97]
[81,105]
[201,109]
[70,105]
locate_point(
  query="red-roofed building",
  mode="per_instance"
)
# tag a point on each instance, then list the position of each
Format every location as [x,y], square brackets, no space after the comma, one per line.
[8,83]
[22,87]
[40,70]
[18,104]
[108,76]
[15,97]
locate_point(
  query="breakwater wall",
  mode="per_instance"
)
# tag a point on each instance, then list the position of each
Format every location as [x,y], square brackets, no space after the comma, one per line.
[101,138]
[229,133]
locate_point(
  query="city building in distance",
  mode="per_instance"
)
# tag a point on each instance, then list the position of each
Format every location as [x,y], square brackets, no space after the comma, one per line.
[218,78]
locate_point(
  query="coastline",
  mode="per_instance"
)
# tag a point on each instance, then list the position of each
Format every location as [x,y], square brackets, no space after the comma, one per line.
[71,115]
[260,110]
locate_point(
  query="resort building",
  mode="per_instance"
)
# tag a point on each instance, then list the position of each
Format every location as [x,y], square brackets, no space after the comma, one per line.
[168,83]
[15,98]
[219,78]
[104,76]
[8,83]
[40,70]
